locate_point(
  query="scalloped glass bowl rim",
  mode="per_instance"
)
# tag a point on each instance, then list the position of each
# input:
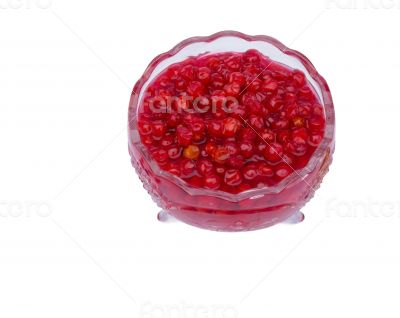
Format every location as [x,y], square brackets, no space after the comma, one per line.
[295,177]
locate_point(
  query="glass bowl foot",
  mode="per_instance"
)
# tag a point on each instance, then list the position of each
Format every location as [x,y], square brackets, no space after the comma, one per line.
[165,217]
[295,218]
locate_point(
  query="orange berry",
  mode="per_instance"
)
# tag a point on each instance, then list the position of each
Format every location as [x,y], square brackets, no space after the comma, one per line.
[191,152]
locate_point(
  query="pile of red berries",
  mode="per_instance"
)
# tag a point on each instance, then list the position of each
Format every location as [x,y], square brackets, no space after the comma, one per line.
[231,121]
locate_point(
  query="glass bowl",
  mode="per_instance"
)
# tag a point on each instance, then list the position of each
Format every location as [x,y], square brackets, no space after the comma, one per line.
[217,210]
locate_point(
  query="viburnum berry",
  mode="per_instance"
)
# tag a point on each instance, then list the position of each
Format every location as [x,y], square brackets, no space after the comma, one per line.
[195,89]
[256,122]
[212,181]
[204,166]
[316,123]
[237,77]
[167,140]
[250,172]
[184,135]
[191,152]
[174,152]
[232,148]
[269,86]
[236,162]
[220,169]
[267,135]
[248,134]
[315,139]
[298,78]
[221,155]
[215,128]
[173,120]
[173,168]
[210,148]
[246,148]
[145,128]
[232,177]
[160,155]
[230,126]
[158,129]
[187,167]
[273,152]
[282,171]
[204,74]
[217,81]
[265,170]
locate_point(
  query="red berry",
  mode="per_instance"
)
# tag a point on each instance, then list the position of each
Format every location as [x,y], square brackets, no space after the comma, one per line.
[250,172]
[282,171]
[298,78]
[275,104]
[196,181]
[217,81]
[236,162]
[246,149]
[160,155]
[144,127]
[215,128]
[230,126]
[232,148]
[221,155]
[283,136]
[273,152]
[195,89]
[233,62]
[204,74]
[237,77]
[204,166]
[184,135]
[198,126]
[238,111]
[174,168]
[254,85]
[210,148]
[252,56]
[173,120]
[168,140]
[212,181]
[270,86]
[220,169]
[187,72]
[316,123]
[174,152]
[267,135]
[158,129]
[281,123]
[256,122]
[300,135]
[187,167]
[315,139]
[248,134]
[232,177]
[265,170]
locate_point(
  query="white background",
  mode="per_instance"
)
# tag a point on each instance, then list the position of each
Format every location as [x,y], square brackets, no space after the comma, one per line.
[79,235]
